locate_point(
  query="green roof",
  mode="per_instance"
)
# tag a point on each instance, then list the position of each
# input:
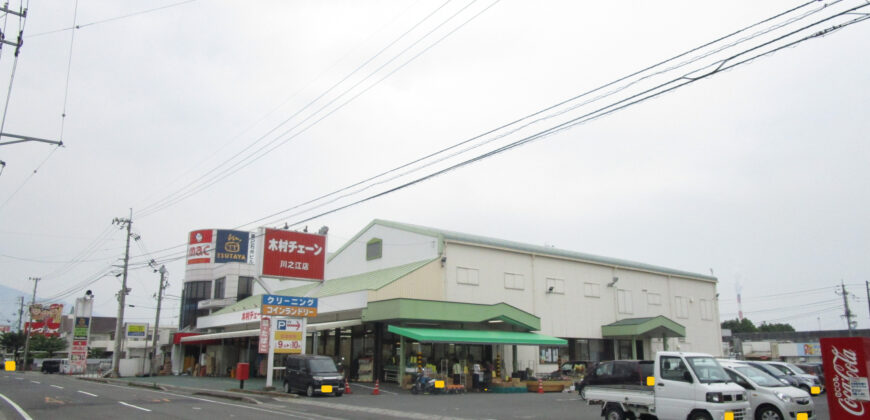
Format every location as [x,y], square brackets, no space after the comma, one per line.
[446,235]
[372,280]
[635,327]
[435,335]
[434,310]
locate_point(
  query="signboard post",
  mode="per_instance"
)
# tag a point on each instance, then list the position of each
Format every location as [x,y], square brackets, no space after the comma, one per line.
[287,336]
[78,354]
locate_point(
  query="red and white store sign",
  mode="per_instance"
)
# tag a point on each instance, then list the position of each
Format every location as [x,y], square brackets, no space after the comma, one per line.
[846,362]
[200,247]
[265,323]
[291,254]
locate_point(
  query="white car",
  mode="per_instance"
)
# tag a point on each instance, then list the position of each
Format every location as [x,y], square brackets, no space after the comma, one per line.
[769,398]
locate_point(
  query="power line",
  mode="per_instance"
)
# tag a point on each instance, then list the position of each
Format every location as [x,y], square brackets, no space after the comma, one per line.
[111,19]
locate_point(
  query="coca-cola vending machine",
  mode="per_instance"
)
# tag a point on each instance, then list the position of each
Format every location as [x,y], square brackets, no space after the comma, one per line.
[846,362]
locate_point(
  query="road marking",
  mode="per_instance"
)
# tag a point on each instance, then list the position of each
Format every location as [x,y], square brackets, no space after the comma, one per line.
[20,379]
[88,393]
[58,387]
[131,405]
[49,400]
[36,382]
[20,411]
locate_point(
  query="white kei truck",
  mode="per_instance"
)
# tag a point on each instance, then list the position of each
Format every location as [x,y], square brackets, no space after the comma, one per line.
[685,386]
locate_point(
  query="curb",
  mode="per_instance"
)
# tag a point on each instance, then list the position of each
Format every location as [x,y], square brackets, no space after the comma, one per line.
[227,395]
[152,385]
[270,393]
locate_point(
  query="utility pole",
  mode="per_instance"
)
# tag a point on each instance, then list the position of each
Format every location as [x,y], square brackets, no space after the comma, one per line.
[162,271]
[20,311]
[122,295]
[30,317]
[848,315]
[867,284]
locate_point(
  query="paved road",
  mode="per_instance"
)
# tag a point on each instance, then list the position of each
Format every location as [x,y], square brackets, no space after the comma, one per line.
[53,396]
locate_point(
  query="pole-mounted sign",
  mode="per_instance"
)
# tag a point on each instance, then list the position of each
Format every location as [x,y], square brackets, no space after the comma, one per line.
[286,336]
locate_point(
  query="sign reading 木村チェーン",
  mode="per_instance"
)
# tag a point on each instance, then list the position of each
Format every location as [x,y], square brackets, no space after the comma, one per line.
[289,254]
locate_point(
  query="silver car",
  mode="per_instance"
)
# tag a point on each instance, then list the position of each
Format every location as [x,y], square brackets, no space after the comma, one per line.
[807,381]
[769,398]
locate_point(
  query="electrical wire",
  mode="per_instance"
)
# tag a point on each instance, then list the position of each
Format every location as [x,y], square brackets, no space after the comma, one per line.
[111,19]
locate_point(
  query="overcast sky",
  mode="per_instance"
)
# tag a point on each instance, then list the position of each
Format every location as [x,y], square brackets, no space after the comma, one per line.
[759,173]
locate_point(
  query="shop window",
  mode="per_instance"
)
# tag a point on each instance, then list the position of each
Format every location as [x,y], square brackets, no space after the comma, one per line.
[623,300]
[468,276]
[556,286]
[514,281]
[374,249]
[654,299]
[591,290]
[549,354]
[219,287]
[246,288]
[681,308]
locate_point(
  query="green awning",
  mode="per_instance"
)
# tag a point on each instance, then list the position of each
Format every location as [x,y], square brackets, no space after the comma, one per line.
[436,335]
[395,310]
[659,326]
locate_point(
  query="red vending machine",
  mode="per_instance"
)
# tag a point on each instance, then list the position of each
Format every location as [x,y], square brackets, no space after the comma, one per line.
[846,362]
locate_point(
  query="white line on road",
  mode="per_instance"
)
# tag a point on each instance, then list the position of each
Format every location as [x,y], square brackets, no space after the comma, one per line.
[17,408]
[36,382]
[131,405]
[58,387]
[88,393]
[20,379]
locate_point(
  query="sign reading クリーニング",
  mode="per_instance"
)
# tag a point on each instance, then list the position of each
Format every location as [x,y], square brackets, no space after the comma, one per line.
[292,254]
[292,306]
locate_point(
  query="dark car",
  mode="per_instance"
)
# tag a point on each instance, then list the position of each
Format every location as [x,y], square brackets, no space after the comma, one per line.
[316,375]
[813,369]
[50,366]
[617,372]
[776,373]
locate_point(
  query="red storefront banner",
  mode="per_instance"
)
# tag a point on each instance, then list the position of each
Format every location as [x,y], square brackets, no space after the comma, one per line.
[200,247]
[295,255]
[846,362]
[265,323]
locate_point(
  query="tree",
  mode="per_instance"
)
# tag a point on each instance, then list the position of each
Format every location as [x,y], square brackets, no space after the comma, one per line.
[13,342]
[50,345]
[777,327]
[737,326]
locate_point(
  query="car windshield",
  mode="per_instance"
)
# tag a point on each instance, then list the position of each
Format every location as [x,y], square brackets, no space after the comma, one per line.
[322,366]
[758,376]
[781,368]
[796,369]
[708,370]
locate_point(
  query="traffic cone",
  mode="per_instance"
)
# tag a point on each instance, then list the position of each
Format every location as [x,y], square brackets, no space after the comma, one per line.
[347,387]
[540,386]
[377,390]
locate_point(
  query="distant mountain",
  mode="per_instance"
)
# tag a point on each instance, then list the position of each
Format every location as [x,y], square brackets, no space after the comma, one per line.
[9,305]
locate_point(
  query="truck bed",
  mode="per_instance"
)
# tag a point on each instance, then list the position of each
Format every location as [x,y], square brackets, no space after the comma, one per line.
[627,394]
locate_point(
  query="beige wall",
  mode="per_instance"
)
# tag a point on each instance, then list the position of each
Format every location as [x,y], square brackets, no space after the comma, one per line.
[425,283]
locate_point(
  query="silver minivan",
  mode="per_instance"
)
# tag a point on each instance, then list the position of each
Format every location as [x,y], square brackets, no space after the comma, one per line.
[769,398]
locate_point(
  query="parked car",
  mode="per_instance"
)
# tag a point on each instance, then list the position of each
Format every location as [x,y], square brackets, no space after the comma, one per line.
[806,381]
[316,375]
[50,366]
[769,398]
[772,371]
[575,369]
[813,369]
[616,372]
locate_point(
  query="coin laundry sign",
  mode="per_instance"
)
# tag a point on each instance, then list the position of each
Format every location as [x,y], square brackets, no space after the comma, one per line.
[291,306]
[291,254]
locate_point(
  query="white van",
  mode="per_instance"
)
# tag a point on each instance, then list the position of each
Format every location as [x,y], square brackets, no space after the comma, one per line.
[769,398]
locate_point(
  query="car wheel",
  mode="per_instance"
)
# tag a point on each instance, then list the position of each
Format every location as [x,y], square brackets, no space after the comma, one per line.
[614,412]
[768,412]
[700,415]
[310,391]
[287,388]
[338,394]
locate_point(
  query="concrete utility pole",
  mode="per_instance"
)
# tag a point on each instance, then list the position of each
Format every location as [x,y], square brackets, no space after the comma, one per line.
[867,284]
[122,294]
[20,311]
[30,317]
[848,315]
[162,271]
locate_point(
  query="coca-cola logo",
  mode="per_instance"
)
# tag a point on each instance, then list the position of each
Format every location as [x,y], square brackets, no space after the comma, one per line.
[846,367]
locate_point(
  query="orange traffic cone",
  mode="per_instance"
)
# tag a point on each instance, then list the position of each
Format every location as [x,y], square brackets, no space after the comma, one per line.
[377,390]
[540,386]
[347,387]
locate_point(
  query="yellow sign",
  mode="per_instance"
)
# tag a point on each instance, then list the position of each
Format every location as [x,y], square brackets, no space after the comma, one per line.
[803,416]
[10,365]
[288,335]
[729,415]
[815,390]
[293,311]
[650,380]
[326,389]
[439,384]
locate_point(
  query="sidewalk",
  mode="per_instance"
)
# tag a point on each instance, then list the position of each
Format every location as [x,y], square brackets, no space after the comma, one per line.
[256,385]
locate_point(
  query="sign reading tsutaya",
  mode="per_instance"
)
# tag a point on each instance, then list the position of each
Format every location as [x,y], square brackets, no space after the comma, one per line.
[232,246]
[292,306]
[200,247]
[846,362]
[292,254]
